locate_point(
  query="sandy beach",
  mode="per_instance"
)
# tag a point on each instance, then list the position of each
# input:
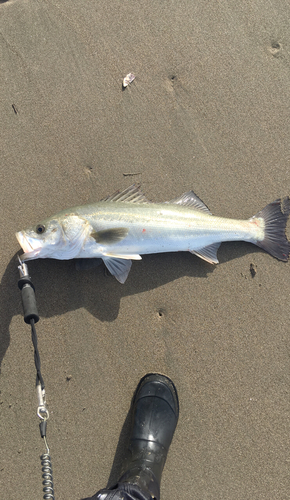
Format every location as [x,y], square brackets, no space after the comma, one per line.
[209,111]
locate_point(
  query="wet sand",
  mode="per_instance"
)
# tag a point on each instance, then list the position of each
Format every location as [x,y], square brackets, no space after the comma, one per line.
[208,111]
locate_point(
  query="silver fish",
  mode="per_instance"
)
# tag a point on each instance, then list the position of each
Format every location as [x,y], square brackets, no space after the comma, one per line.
[126,225]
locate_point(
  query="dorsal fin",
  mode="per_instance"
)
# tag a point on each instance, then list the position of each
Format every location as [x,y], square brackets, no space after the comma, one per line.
[190,199]
[132,194]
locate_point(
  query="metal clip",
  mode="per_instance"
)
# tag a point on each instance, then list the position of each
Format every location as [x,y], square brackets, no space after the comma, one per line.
[23,269]
[42,411]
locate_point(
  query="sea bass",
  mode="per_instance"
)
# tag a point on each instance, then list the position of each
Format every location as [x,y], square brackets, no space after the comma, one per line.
[126,225]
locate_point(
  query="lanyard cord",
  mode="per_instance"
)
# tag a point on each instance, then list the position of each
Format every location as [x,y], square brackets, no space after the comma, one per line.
[36,354]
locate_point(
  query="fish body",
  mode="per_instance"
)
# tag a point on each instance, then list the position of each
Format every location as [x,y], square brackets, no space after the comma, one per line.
[125,226]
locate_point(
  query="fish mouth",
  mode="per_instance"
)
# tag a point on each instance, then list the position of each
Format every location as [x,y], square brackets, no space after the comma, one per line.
[30,246]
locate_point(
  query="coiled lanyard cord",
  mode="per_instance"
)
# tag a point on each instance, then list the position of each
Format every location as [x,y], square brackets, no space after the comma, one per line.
[31,317]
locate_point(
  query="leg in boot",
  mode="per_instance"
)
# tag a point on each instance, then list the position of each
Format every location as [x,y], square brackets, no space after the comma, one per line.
[155,413]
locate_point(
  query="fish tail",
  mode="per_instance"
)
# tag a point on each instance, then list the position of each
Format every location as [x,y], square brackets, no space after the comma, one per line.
[275,216]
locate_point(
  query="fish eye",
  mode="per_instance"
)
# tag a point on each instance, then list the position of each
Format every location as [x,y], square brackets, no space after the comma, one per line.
[40,228]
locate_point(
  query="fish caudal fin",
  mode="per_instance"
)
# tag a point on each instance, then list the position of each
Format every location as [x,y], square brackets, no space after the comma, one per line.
[275,216]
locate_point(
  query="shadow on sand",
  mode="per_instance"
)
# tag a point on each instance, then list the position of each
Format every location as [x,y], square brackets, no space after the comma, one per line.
[61,288]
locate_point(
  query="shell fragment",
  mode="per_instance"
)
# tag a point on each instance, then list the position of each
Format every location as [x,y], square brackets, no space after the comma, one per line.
[128,79]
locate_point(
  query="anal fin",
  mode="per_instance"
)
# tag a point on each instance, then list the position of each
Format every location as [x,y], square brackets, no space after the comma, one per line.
[208,253]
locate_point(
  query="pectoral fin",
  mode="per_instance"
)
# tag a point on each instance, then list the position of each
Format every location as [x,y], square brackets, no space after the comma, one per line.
[208,253]
[110,236]
[118,267]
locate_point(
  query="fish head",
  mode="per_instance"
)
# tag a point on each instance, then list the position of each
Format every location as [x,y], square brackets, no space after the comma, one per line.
[55,238]
[41,240]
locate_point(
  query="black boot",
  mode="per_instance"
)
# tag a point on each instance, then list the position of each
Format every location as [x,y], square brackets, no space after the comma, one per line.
[155,413]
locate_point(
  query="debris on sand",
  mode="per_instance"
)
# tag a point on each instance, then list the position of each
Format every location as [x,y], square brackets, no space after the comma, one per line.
[128,79]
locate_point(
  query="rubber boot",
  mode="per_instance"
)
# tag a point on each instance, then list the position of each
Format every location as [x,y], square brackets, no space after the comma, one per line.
[155,411]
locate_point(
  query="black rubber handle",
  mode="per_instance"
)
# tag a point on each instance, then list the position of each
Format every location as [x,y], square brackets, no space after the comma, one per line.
[28,300]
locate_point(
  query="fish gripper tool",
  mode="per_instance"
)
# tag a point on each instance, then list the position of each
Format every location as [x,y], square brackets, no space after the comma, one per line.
[31,317]
[28,294]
